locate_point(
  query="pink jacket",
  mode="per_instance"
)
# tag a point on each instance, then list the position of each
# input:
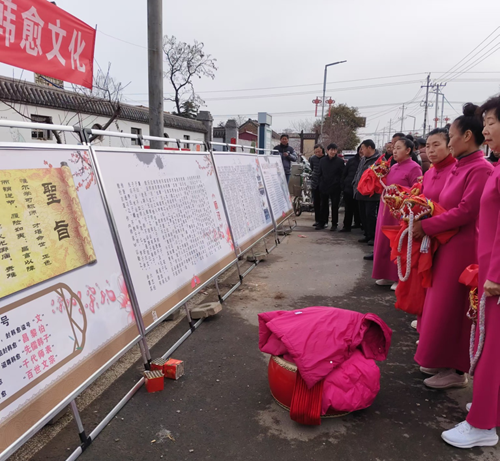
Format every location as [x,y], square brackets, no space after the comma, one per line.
[337,345]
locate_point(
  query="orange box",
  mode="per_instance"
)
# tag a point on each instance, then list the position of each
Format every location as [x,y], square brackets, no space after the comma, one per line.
[173,369]
[155,381]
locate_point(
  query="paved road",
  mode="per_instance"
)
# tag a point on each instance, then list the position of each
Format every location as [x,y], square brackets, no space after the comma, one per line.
[222,409]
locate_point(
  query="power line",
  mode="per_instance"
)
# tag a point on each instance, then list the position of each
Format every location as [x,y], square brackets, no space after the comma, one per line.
[464,58]
[480,59]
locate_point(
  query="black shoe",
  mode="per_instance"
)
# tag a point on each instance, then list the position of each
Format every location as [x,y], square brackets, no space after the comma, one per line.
[321,226]
[356,226]
[370,243]
[345,230]
[334,228]
[368,257]
[364,240]
[315,224]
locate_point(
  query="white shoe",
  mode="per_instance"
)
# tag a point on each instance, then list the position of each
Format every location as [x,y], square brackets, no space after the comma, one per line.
[384,282]
[430,371]
[464,435]
[446,379]
[468,406]
[394,286]
[414,324]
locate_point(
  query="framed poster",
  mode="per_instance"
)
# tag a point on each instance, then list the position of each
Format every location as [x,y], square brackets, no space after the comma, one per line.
[277,187]
[65,314]
[173,229]
[245,197]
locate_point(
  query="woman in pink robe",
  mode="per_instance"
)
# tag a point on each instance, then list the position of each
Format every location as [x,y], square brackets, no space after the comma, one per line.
[479,429]
[443,349]
[404,172]
[434,178]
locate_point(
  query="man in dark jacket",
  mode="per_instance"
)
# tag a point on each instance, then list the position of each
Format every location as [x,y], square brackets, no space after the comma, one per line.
[331,169]
[368,206]
[351,204]
[287,154]
[319,153]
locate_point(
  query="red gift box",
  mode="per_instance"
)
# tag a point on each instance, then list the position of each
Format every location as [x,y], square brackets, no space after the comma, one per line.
[155,380]
[173,369]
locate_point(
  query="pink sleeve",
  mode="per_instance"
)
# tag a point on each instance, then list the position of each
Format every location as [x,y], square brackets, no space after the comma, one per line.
[466,211]
[494,270]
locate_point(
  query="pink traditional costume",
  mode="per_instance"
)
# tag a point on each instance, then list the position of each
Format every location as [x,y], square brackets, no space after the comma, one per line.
[445,328]
[434,180]
[485,410]
[404,174]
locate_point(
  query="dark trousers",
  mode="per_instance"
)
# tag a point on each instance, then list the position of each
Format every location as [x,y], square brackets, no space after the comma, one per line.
[334,197]
[351,211]
[287,176]
[316,195]
[368,212]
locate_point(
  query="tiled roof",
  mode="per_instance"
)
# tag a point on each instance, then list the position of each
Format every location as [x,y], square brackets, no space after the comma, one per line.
[16,91]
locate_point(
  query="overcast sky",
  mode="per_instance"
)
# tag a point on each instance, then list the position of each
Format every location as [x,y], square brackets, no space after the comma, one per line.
[277,43]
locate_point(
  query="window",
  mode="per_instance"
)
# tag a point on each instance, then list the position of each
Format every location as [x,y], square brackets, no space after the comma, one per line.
[187,138]
[138,131]
[41,135]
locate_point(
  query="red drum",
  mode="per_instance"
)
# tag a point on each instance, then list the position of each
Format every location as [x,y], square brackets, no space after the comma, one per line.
[282,375]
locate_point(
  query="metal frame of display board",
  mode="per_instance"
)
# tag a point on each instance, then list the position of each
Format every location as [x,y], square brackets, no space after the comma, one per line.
[279,231]
[227,146]
[70,399]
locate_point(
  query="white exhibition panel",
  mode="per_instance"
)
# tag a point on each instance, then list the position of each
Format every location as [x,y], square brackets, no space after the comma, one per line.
[168,210]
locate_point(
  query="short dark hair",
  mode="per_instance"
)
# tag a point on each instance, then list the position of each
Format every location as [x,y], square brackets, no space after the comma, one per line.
[284,135]
[491,104]
[332,145]
[421,141]
[441,131]
[410,137]
[399,135]
[368,143]
[408,144]
[319,146]
[470,121]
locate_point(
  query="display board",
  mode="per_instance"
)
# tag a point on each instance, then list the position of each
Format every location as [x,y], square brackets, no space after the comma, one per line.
[65,313]
[171,221]
[277,187]
[245,197]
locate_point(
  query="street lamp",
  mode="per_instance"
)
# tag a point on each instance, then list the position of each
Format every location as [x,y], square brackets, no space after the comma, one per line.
[324,96]
[414,121]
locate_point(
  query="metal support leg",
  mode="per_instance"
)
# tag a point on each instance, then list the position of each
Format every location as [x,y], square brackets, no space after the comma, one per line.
[86,441]
[218,290]
[188,315]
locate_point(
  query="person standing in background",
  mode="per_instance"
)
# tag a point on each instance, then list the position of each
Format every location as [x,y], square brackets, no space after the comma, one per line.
[331,168]
[287,154]
[351,204]
[319,153]
[424,158]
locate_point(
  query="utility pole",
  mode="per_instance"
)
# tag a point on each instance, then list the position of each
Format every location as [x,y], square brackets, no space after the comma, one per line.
[442,110]
[390,130]
[402,117]
[437,86]
[155,71]
[426,104]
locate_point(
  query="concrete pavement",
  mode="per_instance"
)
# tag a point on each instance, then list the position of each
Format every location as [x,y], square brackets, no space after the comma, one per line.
[222,409]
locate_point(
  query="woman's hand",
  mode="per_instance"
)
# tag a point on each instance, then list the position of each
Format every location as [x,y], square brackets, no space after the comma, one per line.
[491,288]
[418,232]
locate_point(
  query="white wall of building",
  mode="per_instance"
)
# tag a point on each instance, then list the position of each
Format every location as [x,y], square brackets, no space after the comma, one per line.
[23,112]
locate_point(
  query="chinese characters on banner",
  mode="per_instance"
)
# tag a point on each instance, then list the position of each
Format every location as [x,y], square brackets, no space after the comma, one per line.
[171,223]
[33,346]
[277,187]
[42,228]
[247,206]
[39,36]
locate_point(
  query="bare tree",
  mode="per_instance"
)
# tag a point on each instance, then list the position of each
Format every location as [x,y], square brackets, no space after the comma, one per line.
[184,62]
[305,125]
[105,88]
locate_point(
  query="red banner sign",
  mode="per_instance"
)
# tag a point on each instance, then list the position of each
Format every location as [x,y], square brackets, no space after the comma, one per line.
[39,36]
